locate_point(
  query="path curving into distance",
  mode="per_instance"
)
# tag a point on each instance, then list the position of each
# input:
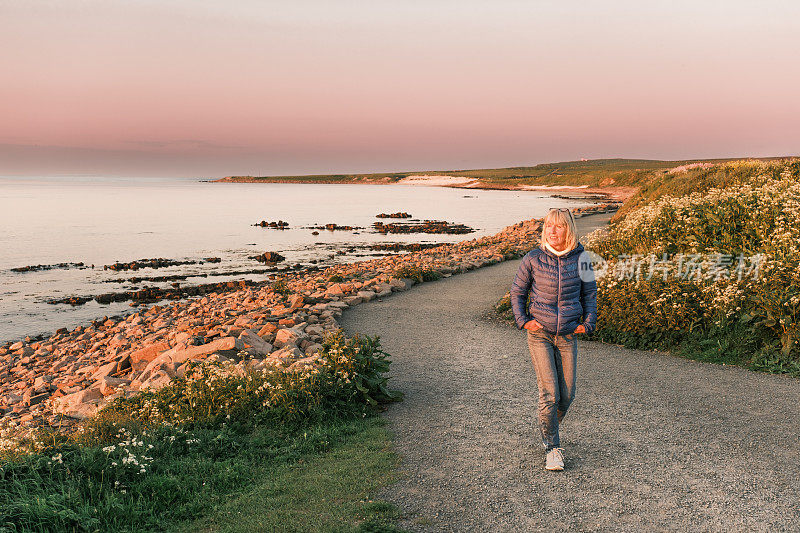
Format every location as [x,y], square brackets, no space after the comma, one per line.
[652,441]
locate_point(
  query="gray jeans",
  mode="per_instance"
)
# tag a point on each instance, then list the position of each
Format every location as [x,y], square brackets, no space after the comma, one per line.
[555,360]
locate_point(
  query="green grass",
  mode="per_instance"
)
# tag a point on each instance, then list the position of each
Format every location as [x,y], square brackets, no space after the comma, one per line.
[570,172]
[594,172]
[332,489]
[731,344]
[659,183]
[319,476]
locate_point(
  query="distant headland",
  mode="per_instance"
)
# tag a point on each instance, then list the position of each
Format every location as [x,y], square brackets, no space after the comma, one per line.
[612,179]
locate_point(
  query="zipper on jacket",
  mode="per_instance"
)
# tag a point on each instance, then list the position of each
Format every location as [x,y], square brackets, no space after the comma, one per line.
[558,297]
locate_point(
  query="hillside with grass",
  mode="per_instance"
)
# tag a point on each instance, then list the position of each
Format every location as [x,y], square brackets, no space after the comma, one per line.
[593,173]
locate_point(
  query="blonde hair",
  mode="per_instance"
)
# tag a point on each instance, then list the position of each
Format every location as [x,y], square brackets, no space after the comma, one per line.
[558,216]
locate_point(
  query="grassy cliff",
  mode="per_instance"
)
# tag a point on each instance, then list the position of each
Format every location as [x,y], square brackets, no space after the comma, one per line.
[594,173]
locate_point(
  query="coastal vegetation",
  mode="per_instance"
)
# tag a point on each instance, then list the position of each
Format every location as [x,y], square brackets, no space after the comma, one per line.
[590,172]
[418,274]
[703,262]
[503,309]
[183,455]
[643,173]
[713,275]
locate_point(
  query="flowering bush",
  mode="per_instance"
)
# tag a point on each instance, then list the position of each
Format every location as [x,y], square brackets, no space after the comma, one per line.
[349,374]
[708,263]
[757,214]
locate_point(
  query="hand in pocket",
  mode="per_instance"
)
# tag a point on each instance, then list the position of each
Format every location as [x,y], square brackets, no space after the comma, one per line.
[532,325]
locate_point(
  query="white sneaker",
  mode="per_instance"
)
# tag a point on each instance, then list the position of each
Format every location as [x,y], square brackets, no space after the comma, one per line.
[555,459]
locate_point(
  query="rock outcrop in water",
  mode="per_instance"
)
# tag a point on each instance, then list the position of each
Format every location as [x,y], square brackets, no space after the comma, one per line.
[399,214]
[158,262]
[428,226]
[269,257]
[334,227]
[280,224]
[404,247]
[155,294]
[38,268]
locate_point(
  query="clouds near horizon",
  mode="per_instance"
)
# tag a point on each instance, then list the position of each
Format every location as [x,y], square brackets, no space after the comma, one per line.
[209,88]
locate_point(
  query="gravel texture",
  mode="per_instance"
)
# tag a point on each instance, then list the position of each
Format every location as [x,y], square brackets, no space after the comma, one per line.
[652,441]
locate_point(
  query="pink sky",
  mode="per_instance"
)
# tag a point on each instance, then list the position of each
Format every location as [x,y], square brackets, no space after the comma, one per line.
[197,88]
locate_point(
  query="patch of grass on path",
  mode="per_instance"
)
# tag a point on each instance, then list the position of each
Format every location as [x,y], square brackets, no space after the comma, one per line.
[332,490]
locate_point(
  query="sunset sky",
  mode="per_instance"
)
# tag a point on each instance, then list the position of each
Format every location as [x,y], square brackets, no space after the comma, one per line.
[201,88]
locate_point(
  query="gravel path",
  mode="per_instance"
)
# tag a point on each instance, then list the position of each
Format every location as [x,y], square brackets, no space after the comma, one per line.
[652,441]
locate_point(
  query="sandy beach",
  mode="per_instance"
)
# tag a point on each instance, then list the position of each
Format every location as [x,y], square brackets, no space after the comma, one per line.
[439,181]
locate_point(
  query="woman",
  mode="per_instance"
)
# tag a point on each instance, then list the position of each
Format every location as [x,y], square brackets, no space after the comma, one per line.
[557,277]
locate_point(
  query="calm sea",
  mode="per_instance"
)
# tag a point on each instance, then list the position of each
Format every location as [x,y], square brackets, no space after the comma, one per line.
[99,221]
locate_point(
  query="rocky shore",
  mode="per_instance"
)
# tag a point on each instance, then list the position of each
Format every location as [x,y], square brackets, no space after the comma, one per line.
[155,294]
[62,379]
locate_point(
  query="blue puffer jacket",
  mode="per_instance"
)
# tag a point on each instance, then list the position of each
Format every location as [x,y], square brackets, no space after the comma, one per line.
[559,299]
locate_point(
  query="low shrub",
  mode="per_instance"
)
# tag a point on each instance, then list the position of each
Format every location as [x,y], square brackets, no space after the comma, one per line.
[417,274]
[510,251]
[503,309]
[281,287]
